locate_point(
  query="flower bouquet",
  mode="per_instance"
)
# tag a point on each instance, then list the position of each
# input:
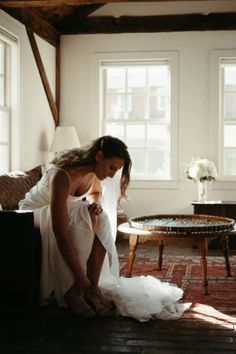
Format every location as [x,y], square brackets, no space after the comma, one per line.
[202,171]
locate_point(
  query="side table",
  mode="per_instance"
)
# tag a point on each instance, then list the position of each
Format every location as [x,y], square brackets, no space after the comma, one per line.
[222,208]
[121,218]
[200,241]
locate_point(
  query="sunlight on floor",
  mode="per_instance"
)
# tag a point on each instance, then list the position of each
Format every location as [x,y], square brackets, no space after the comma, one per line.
[211,315]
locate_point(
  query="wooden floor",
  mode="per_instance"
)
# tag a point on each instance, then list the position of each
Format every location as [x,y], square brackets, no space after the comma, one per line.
[51,330]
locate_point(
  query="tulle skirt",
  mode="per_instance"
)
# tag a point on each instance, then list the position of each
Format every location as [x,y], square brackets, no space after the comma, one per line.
[145,298]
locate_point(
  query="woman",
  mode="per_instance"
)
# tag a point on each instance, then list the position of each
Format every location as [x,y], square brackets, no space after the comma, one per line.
[76,234]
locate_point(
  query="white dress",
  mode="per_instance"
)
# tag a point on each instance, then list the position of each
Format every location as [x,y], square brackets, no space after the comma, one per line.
[140,297]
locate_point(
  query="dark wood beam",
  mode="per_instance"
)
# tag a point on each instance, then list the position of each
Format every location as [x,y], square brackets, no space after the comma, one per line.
[47,3]
[77,14]
[147,24]
[58,79]
[41,27]
[43,76]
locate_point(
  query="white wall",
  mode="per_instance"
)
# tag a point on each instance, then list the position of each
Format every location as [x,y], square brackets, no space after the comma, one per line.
[194,49]
[35,119]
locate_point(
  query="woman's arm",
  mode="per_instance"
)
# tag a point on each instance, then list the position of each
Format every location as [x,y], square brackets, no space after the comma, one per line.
[94,197]
[60,190]
[95,192]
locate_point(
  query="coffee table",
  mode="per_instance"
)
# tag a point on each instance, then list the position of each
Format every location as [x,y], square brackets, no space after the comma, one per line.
[200,241]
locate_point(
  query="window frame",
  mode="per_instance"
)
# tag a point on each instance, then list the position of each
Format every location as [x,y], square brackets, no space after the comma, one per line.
[11,104]
[217,121]
[172,57]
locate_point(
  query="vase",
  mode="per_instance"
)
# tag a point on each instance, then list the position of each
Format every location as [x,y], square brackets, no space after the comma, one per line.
[202,191]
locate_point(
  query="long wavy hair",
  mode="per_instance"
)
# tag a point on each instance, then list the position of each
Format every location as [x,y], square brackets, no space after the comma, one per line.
[86,156]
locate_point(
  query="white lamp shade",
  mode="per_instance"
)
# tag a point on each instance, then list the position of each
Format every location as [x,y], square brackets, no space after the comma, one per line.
[65,138]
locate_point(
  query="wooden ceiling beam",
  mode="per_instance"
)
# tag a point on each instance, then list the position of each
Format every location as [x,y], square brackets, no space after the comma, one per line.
[148,24]
[39,26]
[78,14]
[51,3]
[43,75]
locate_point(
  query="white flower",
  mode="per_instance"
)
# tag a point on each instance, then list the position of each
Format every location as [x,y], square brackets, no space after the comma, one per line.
[202,170]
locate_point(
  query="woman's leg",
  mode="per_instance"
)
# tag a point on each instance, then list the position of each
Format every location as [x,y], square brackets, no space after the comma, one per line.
[95,262]
[94,266]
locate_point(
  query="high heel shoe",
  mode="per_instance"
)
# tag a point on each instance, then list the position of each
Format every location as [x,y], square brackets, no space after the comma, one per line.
[75,301]
[98,303]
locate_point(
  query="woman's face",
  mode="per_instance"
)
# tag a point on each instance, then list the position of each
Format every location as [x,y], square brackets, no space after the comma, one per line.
[107,167]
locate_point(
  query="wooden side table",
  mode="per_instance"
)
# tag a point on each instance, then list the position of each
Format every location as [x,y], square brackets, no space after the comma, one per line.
[223,208]
[200,241]
[121,218]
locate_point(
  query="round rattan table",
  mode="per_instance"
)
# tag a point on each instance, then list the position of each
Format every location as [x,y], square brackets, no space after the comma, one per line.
[198,230]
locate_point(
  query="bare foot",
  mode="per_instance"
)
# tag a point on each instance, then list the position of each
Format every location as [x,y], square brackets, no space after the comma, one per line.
[77,304]
[97,301]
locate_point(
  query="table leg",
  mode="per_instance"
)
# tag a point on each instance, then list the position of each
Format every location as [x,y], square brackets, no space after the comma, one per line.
[161,248]
[133,242]
[225,249]
[203,245]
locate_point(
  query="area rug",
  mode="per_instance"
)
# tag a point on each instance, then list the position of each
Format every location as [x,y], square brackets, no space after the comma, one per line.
[185,272]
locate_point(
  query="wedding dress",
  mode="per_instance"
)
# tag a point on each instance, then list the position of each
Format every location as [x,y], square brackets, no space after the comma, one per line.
[140,297]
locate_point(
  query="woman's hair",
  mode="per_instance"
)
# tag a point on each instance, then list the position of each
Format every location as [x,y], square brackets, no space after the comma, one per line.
[86,156]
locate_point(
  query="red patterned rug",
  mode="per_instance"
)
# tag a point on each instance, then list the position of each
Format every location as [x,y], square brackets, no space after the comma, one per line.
[185,272]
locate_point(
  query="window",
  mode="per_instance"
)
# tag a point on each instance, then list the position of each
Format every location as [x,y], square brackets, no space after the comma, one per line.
[138,106]
[228,116]
[8,102]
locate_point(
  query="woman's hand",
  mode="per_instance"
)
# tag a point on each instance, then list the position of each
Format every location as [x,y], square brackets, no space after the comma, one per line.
[95,209]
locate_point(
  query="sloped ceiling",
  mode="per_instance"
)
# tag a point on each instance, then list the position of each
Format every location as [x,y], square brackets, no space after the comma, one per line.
[52,18]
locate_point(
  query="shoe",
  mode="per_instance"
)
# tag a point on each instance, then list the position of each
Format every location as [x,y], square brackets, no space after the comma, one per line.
[101,306]
[77,304]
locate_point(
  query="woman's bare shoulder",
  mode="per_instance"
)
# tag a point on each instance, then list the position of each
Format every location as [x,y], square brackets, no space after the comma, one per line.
[96,185]
[59,174]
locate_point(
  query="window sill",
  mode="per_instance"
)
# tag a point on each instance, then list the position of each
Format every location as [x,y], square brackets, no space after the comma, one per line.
[223,185]
[150,184]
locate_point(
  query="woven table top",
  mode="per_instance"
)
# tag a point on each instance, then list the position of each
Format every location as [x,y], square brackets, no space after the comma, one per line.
[183,223]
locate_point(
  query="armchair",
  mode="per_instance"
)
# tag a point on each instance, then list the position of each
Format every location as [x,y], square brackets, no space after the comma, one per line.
[20,251]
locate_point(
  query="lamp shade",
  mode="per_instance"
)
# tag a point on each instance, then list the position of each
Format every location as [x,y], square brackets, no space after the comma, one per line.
[65,138]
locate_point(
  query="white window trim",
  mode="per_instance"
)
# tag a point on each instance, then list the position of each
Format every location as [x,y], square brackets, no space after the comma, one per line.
[14,151]
[172,56]
[216,131]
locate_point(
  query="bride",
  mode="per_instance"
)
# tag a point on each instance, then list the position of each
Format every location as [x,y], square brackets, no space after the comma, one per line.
[79,259]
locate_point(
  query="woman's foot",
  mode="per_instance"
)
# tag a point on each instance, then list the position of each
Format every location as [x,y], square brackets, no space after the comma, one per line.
[74,299]
[98,303]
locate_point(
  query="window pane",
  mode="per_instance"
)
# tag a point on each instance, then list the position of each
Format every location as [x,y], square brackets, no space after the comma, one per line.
[116,80]
[230,161]
[136,106]
[1,57]
[4,166]
[158,106]
[230,135]
[116,106]
[157,136]
[136,79]
[158,77]
[138,160]
[2,93]
[135,136]
[157,163]
[3,127]
[230,78]
[230,105]
[115,129]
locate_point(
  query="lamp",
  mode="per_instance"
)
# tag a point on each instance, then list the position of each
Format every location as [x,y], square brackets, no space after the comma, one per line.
[65,138]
